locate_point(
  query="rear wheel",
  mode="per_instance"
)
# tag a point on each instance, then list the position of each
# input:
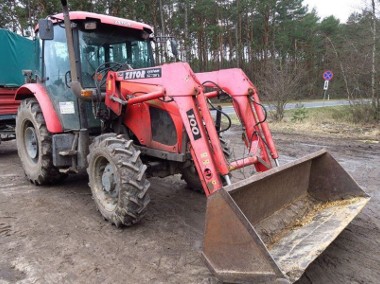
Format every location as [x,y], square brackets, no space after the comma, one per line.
[34,145]
[117,180]
[190,174]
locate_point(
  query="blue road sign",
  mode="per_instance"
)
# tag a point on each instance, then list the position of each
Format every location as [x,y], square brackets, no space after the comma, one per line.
[328,75]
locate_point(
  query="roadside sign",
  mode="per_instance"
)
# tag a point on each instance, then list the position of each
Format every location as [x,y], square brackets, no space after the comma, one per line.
[328,75]
[326,85]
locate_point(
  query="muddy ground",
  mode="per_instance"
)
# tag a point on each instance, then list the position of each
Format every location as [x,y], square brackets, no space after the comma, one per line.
[55,235]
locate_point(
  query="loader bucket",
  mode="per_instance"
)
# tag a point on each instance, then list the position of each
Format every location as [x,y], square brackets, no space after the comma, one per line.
[272,225]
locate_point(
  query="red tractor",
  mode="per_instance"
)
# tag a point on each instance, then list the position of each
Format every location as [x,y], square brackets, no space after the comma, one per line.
[100,103]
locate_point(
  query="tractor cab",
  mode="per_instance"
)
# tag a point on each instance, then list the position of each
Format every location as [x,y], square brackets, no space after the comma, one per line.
[101,43]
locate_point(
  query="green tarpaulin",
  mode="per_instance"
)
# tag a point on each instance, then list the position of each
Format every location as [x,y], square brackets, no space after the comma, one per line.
[16,54]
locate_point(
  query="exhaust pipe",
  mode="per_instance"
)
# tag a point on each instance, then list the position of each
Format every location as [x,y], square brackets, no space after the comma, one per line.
[75,85]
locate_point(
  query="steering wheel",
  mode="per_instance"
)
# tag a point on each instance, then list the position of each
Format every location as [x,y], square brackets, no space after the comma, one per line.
[100,74]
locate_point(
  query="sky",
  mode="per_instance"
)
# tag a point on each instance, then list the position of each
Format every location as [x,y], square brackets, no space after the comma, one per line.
[341,9]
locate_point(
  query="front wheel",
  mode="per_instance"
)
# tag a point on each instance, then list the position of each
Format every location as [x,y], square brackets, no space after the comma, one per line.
[117,180]
[34,145]
[190,174]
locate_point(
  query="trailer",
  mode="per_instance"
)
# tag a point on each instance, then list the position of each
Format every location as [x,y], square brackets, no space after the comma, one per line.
[18,56]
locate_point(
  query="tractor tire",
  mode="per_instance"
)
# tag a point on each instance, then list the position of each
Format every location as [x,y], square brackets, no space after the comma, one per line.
[117,180]
[34,145]
[190,174]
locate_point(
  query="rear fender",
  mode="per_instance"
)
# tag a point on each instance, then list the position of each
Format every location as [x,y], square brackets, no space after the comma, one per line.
[39,92]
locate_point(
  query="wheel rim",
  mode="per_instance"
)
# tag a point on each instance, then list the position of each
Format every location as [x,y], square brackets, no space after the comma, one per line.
[106,189]
[108,181]
[31,143]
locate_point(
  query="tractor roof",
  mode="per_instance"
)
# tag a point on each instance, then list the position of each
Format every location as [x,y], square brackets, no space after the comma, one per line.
[105,19]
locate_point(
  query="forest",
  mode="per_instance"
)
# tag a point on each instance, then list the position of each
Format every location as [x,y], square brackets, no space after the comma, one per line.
[281,45]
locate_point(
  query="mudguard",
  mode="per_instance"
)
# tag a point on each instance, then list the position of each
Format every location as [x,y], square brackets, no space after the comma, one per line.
[38,91]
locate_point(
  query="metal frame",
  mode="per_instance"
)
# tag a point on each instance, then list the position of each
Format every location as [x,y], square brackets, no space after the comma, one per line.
[179,91]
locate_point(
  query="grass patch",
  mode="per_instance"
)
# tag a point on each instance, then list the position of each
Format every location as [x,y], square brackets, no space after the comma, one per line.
[328,121]
[323,114]
[337,121]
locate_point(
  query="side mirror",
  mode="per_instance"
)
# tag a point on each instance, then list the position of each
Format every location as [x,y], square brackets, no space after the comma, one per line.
[45,29]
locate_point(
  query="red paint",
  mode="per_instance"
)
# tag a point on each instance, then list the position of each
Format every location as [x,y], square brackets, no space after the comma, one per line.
[186,103]
[8,104]
[38,91]
[241,89]
[105,19]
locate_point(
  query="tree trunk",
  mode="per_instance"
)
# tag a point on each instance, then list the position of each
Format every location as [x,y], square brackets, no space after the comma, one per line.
[375,98]
[187,40]
[341,69]
[163,31]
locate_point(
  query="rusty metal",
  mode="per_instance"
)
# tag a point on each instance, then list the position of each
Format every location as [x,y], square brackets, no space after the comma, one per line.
[272,225]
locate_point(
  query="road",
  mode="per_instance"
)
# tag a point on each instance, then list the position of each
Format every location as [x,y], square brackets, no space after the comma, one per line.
[309,104]
[317,104]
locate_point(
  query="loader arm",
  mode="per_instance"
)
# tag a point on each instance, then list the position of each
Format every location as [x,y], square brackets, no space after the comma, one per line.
[177,82]
[248,108]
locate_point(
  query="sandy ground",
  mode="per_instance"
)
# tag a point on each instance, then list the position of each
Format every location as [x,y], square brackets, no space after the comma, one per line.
[55,234]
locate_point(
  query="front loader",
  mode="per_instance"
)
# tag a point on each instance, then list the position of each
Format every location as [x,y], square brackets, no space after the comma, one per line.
[107,108]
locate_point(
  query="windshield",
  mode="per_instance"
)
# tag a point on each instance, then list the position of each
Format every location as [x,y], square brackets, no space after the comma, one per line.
[112,45]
